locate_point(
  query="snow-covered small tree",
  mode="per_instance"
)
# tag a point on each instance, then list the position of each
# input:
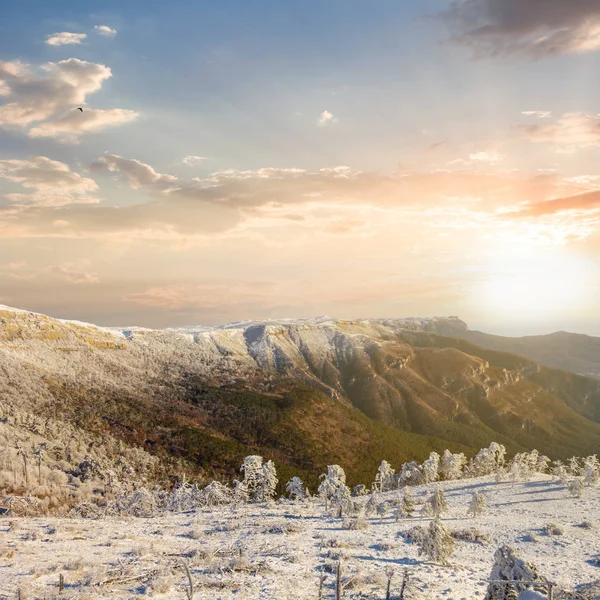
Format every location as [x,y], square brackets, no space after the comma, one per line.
[342,501]
[477,505]
[268,483]
[216,494]
[372,502]
[574,466]
[295,489]
[575,487]
[431,468]
[408,502]
[437,543]
[241,495]
[509,567]
[411,474]
[499,452]
[451,465]
[559,472]
[332,480]
[384,479]
[591,470]
[360,490]
[436,504]
[252,468]
[260,480]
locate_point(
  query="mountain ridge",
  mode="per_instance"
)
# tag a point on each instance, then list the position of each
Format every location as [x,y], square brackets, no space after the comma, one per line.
[304,392]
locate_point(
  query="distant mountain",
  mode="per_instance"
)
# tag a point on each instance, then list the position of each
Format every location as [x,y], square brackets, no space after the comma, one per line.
[150,404]
[572,352]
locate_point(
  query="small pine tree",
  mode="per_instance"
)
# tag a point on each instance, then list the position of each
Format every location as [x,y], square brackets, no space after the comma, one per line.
[437,543]
[408,502]
[478,505]
[436,504]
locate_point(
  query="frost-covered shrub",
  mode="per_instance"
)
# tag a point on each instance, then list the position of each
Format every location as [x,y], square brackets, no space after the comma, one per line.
[88,510]
[509,567]
[184,497]
[141,503]
[415,534]
[471,535]
[355,523]
[477,505]
[553,529]
[437,543]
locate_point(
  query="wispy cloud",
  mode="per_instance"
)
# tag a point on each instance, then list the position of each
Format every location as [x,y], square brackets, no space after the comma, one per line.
[192,161]
[74,272]
[64,38]
[569,133]
[540,114]
[534,28]
[105,30]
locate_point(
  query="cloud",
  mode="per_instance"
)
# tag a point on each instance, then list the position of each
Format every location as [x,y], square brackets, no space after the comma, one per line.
[540,114]
[571,132]
[52,182]
[15,266]
[192,161]
[577,203]
[64,38]
[138,173]
[74,124]
[206,296]
[39,95]
[105,30]
[482,157]
[74,272]
[275,203]
[534,28]
[326,118]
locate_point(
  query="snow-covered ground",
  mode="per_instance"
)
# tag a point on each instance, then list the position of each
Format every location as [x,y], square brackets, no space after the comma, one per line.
[281,551]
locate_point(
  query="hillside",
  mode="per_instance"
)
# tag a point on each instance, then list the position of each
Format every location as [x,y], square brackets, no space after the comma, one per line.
[572,352]
[305,393]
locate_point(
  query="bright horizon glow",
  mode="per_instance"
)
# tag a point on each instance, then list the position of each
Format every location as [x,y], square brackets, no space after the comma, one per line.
[300,159]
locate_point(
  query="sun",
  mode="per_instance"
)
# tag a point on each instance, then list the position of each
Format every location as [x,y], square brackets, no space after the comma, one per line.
[542,287]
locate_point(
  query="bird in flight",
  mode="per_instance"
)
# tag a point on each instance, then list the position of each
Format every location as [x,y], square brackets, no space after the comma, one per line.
[81,109]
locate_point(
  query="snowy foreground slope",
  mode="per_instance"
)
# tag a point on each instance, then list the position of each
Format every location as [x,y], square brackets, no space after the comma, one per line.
[281,551]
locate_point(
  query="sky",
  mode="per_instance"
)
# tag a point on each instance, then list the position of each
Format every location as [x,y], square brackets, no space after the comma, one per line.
[243,160]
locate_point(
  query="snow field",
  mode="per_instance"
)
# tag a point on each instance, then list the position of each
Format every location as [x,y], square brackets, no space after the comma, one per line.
[280,551]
